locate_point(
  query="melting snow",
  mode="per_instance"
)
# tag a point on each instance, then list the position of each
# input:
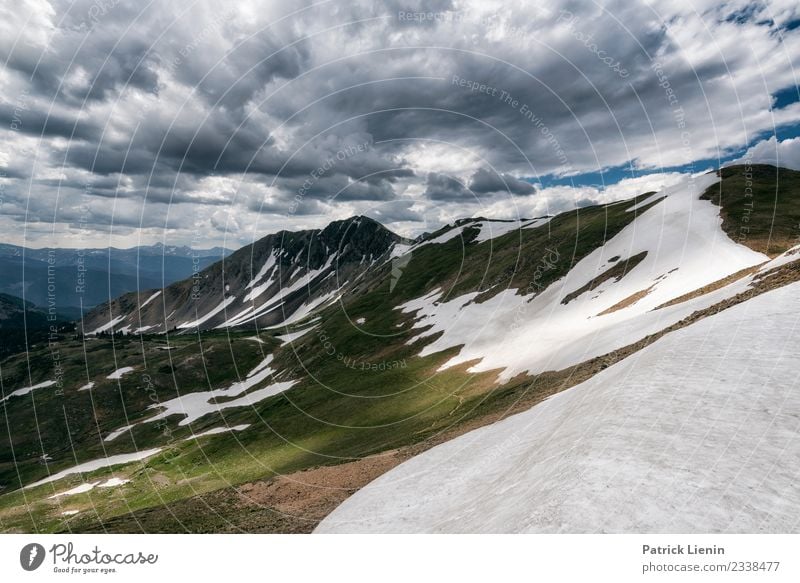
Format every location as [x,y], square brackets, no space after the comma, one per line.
[117,432]
[695,433]
[193,406]
[218,430]
[268,265]
[448,235]
[686,250]
[538,222]
[257,291]
[113,460]
[150,299]
[260,366]
[492,229]
[87,386]
[26,390]
[400,249]
[88,486]
[118,374]
[252,313]
[224,304]
[83,488]
[113,482]
[309,307]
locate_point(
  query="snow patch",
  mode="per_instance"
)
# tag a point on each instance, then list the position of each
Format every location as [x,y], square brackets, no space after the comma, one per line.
[120,372]
[89,486]
[26,390]
[493,229]
[117,432]
[193,406]
[292,336]
[224,304]
[400,249]
[268,265]
[537,222]
[218,430]
[448,235]
[81,489]
[106,462]
[150,299]
[113,483]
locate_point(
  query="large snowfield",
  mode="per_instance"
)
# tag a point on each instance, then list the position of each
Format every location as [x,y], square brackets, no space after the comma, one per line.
[696,433]
[685,247]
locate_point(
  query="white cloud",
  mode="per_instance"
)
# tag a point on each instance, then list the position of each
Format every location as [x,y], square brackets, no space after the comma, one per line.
[785,153]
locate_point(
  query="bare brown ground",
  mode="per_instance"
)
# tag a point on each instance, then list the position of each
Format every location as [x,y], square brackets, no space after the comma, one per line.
[711,286]
[629,301]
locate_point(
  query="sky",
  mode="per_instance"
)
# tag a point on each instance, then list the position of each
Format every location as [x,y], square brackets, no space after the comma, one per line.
[209,123]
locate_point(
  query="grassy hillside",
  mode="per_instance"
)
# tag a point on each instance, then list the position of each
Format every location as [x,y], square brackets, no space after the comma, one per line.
[760,206]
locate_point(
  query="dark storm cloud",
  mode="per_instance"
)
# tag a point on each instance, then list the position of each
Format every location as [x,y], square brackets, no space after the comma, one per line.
[339,187]
[441,187]
[77,69]
[395,211]
[170,101]
[289,207]
[18,174]
[485,181]
[39,123]
[246,70]
[126,65]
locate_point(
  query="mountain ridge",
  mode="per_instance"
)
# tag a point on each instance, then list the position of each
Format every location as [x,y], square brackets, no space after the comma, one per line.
[286,263]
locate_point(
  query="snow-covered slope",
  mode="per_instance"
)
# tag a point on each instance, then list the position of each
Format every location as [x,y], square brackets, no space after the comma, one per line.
[679,246]
[696,433]
[265,283]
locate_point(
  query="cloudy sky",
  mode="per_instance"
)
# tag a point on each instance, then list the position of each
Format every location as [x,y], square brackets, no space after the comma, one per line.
[211,123]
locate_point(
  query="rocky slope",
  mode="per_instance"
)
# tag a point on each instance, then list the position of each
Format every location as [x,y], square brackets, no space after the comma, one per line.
[283,275]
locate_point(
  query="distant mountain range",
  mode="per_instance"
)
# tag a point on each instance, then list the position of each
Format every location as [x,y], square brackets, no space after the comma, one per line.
[71,280]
